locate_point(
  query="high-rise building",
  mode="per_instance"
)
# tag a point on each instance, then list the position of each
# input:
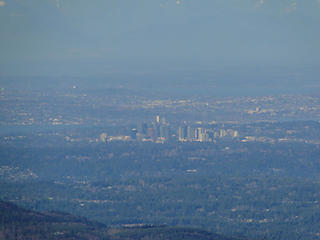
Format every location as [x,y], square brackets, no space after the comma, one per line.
[223,133]
[197,133]
[142,128]
[182,133]
[216,135]
[202,137]
[210,135]
[156,130]
[133,133]
[151,133]
[164,132]
[189,133]
[235,134]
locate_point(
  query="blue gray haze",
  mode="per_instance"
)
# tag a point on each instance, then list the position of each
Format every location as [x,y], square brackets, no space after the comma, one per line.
[272,46]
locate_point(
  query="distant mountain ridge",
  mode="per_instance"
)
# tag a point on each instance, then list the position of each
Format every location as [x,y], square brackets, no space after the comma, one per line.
[18,223]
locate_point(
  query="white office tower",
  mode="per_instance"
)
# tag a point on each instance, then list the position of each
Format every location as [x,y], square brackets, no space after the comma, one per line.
[189,133]
[181,134]
[223,133]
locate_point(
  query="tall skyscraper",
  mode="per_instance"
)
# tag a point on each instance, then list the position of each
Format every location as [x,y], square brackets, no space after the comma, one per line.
[133,133]
[164,132]
[142,128]
[180,134]
[197,133]
[189,133]
[156,130]
[210,135]
[223,133]
[151,133]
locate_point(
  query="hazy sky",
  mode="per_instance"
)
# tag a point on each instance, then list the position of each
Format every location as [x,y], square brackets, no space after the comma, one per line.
[97,37]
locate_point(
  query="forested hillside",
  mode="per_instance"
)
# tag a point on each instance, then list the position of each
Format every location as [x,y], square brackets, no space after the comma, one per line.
[20,224]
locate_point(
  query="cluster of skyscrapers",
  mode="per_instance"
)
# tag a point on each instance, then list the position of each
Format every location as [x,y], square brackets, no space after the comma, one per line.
[160,131]
[200,134]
